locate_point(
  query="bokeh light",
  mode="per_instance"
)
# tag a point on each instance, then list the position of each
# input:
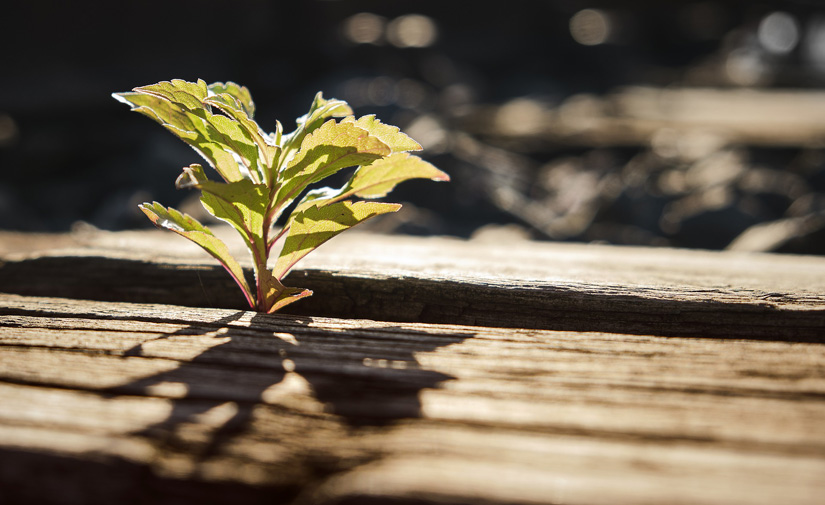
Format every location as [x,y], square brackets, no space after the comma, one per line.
[364,28]
[412,30]
[590,27]
[746,67]
[778,33]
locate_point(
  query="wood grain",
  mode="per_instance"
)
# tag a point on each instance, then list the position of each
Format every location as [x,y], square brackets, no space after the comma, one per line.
[666,292]
[112,402]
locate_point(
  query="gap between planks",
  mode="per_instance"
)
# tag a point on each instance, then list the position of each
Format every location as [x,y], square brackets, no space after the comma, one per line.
[437,280]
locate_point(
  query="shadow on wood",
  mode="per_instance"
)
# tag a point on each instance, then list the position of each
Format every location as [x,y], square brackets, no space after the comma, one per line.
[48,478]
[256,364]
[367,388]
[532,416]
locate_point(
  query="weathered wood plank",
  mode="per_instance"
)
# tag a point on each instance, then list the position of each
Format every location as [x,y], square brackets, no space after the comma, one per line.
[438,280]
[105,402]
[706,118]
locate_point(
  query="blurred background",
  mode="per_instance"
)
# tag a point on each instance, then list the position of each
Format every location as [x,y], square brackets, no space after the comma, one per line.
[696,124]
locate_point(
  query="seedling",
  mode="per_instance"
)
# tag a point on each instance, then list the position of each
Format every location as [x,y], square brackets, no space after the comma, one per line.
[265,173]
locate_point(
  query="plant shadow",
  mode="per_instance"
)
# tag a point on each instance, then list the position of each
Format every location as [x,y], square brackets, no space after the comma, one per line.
[364,375]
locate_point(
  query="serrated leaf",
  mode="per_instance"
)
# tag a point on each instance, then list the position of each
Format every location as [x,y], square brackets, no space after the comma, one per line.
[320,110]
[229,146]
[186,94]
[190,128]
[189,227]
[313,226]
[324,152]
[239,140]
[388,134]
[374,180]
[380,177]
[241,203]
[266,172]
[240,93]
[268,151]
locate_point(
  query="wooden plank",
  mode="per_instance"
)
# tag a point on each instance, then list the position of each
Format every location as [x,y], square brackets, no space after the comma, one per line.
[692,120]
[108,402]
[438,280]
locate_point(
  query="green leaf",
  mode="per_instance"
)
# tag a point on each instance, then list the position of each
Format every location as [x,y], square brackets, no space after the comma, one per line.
[265,172]
[240,93]
[180,106]
[313,226]
[380,177]
[268,150]
[320,110]
[388,134]
[188,127]
[327,150]
[185,94]
[287,296]
[274,294]
[189,227]
[238,139]
[374,180]
[242,204]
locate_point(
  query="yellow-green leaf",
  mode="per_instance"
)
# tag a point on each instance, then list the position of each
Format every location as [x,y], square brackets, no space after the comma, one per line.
[320,110]
[189,227]
[263,173]
[191,177]
[274,294]
[373,181]
[388,134]
[182,107]
[287,296]
[240,93]
[178,91]
[380,177]
[189,127]
[325,151]
[242,204]
[313,226]
[268,150]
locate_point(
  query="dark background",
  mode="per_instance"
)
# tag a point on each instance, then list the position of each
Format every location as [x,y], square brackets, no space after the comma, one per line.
[69,153]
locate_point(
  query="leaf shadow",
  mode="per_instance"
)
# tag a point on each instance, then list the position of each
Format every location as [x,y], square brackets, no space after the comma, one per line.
[363,375]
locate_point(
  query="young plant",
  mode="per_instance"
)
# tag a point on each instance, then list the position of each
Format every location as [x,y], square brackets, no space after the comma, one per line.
[264,173]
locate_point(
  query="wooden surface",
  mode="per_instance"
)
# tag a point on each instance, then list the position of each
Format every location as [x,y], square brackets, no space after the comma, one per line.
[122,402]
[438,280]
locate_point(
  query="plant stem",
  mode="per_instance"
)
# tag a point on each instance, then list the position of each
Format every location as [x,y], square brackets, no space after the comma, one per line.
[261,258]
